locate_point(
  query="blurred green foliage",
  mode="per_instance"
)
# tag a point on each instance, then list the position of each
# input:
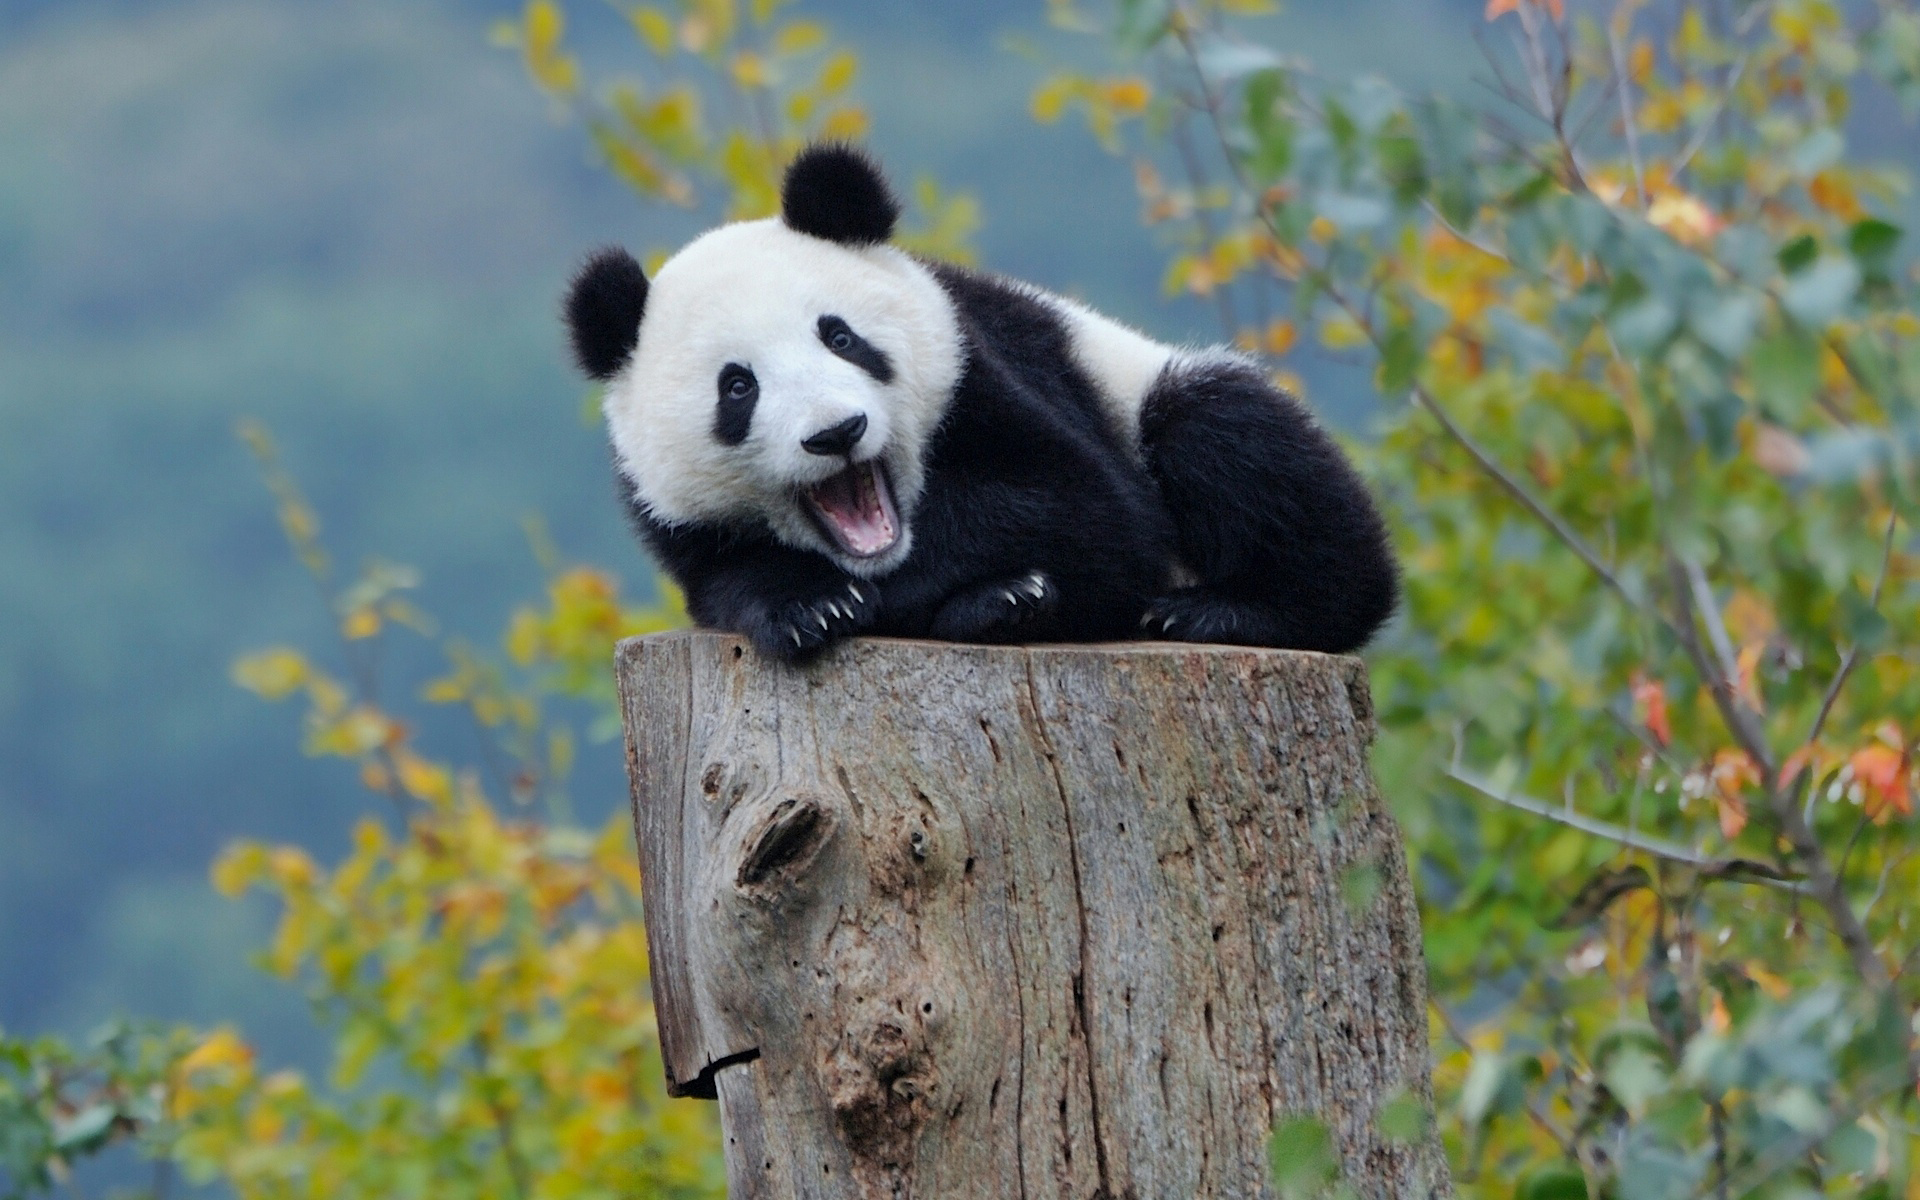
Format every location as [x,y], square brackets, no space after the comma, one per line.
[1652,709]
[1651,337]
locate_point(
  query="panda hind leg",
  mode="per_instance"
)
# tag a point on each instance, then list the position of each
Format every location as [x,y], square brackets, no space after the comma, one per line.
[1273,520]
[1002,610]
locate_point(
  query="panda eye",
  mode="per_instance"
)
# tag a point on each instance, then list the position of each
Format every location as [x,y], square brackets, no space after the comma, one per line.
[739,391]
[841,340]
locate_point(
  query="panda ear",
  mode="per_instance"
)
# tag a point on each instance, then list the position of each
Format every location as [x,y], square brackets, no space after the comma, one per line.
[604,307]
[835,191]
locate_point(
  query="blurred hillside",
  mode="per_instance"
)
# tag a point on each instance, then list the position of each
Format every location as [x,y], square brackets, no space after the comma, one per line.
[351,221]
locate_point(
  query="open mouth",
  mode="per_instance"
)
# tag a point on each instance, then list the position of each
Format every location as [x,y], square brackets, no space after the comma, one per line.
[855,509]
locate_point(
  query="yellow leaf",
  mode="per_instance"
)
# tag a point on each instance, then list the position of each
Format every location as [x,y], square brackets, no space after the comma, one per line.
[749,70]
[221,1048]
[1341,332]
[845,123]
[423,780]
[1640,61]
[361,623]
[1321,230]
[1050,99]
[237,867]
[1128,95]
[838,72]
[798,38]
[524,637]
[273,674]
[1280,336]
[655,29]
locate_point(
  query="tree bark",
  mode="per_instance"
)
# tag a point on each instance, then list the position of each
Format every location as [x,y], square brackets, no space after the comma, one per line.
[941,920]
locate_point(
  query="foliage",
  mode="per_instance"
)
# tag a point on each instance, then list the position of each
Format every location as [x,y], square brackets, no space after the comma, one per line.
[60,1103]
[722,56]
[1651,712]
[478,959]
[1654,477]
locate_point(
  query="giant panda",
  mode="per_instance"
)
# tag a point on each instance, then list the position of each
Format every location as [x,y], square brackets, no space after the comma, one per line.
[820,435]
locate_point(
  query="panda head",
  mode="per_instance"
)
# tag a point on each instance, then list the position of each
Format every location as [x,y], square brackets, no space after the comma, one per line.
[785,373]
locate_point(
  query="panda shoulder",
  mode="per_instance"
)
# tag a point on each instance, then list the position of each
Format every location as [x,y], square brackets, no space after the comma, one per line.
[1120,361]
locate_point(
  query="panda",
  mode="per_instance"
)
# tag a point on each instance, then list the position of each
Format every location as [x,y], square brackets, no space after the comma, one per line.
[819,435]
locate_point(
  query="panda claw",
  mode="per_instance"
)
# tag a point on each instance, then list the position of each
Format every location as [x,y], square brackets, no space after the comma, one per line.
[854,590]
[794,632]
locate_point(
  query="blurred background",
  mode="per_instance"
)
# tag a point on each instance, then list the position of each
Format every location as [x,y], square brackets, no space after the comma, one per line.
[351,221]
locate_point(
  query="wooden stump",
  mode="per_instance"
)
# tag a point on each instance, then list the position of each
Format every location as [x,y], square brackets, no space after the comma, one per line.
[937,920]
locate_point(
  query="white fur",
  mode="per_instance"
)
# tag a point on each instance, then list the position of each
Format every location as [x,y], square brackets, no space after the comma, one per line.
[1122,362]
[753,293]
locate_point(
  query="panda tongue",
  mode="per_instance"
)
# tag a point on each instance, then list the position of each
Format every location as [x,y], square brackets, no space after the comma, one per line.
[857,510]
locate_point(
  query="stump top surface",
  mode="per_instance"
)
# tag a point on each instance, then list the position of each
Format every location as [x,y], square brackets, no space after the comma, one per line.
[1089,650]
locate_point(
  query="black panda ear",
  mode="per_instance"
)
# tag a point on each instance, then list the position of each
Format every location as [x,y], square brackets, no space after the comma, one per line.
[604,307]
[834,191]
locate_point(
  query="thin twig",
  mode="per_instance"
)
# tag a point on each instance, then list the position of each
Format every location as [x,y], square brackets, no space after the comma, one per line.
[1632,127]
[1852,654]
[1732,870]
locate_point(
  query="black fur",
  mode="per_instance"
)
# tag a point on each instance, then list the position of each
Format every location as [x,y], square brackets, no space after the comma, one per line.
[604,307]
[839,337]
[733,410]
[834,191]
[1037,522]
[1273,519]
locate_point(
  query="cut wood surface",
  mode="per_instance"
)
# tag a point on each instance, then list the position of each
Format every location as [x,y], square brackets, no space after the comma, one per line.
[939,920]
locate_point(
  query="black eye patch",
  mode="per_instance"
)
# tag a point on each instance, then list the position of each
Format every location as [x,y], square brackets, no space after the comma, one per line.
[839,337]
[739,391]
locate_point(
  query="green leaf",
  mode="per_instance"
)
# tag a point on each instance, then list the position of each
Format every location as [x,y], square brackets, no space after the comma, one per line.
[85,1128]
[1644,324]
[1725,320]
[1797,254]
[1784,371]
[1402,1119]
[1872,243]
[1223,61]
[1487,1079]
[1819,150]
[1553,1183]
[1864,625]
[1301,1156]
[1532,348]
[1635,1077]
[1399,359]
[1816,295]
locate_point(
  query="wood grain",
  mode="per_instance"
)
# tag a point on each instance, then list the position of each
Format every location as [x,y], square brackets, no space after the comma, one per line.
[939,920]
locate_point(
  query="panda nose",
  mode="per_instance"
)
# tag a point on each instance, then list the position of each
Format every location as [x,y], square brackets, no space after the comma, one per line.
[837,439]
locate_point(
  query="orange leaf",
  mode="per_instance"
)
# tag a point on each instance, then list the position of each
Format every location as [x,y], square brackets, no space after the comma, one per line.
[1746,685]
[1881,772]
[1733,772]
[1650,706]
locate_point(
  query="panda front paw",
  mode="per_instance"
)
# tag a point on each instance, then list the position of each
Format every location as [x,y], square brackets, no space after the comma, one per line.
[1200,615]
[998,611]
[800,629]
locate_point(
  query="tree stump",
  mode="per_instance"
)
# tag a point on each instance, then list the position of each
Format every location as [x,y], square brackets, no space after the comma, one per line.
[938,920]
